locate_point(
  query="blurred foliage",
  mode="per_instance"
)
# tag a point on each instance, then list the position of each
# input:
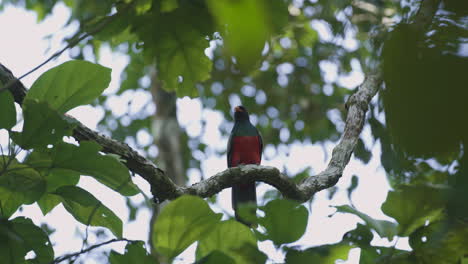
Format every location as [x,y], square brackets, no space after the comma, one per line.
[285,63]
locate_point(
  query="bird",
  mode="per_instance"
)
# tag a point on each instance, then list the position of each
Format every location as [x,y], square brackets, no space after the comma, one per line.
[245,146]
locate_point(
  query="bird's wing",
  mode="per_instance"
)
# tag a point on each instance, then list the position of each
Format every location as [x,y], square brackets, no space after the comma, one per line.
[229,151]
[260,139]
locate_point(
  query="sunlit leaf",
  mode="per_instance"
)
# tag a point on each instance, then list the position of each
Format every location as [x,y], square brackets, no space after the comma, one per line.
[281,229]
[182,222]
[248,26]
[70,84]
[229,237]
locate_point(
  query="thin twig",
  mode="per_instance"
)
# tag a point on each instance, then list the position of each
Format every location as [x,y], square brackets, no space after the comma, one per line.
[96,207]
[72,255]
[71,44]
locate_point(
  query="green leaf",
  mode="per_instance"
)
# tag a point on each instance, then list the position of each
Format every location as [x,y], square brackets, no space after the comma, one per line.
[48,202]
[382,227]
[179,50]
[361,236]
[413,205]
[70,84]
[281,229]
[143,6]
[441,242]
[182,222]
[216,257]
[88,210]
[307,36]
[228,237]
[86,159]
[18,237]
[8,110]
[249,253]
[352,186]
[19,185]
[54,177]
[371,255]
[327,254]
[180,53]
[42,126]
[302,175]
[169,5]
[464,260]
[134,253]
[247,28]
[361,152]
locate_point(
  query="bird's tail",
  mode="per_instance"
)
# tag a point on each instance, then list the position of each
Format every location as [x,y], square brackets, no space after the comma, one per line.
[241,194]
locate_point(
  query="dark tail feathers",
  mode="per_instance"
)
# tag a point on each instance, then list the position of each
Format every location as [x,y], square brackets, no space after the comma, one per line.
[243,193]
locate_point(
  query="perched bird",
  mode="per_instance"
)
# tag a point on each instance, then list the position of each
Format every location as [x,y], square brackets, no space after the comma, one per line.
[244,147]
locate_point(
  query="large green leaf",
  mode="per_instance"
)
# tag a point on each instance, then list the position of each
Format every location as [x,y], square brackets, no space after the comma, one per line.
[179,50]
[7,110]
[441,242]
[413,205]
[86,159]
[247,26]
[19,185]
[182,222]
[285,221]
[216,257]
[70,84]
[382,227]
[327,254]
[42,126]
[20,236]
[55,177]
[181,54]
[88,210]
[134,253]
[229,237]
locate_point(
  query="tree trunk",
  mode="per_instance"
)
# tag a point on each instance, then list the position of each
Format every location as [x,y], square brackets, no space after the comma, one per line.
[167,137]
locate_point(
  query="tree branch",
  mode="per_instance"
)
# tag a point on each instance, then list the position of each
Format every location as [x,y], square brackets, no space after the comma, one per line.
[357,108]
[163,188]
